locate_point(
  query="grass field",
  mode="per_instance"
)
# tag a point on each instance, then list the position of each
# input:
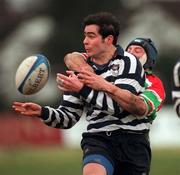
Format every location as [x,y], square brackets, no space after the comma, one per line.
[61,161]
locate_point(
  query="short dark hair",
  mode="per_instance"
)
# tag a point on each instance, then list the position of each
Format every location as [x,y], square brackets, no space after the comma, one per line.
[108,24]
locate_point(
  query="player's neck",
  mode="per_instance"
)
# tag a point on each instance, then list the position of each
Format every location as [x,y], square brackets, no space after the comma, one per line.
[104,57]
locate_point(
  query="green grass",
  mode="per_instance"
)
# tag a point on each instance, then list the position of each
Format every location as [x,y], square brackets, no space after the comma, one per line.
[61,161]
[40,162]
[166,161]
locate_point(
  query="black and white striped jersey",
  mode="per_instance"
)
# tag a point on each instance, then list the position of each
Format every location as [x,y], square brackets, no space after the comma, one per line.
[176,88]
[103,113]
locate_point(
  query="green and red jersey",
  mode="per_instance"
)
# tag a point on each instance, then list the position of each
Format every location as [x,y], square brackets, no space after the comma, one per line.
[154,95]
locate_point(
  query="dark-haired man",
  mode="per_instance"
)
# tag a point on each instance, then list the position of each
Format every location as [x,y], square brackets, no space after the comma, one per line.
[115,139]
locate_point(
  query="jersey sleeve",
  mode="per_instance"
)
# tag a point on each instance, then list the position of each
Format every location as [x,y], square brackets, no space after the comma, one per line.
[154,95]
[66,115]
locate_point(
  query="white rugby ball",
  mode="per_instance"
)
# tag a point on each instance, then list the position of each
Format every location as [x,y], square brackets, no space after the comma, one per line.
[32,74]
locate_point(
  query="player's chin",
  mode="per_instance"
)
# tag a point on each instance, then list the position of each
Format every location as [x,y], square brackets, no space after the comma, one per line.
[89,53]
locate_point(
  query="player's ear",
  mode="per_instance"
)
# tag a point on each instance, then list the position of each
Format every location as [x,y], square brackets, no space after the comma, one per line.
[109,39]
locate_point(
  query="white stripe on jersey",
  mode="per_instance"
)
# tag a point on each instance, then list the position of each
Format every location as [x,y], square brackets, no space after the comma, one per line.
[66,119]
[90,96]
[105,128]
[94,114]
[100,97]
[55,122]
[139,127]
[133,60]
[131,82]
[72,117]
[71,99]
[106,118]
[130,118]
[110,104]
[133,64]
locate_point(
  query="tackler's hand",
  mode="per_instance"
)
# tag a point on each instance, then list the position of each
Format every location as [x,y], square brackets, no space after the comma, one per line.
[75,61]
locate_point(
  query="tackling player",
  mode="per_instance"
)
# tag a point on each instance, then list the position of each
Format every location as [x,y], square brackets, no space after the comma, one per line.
[154,95]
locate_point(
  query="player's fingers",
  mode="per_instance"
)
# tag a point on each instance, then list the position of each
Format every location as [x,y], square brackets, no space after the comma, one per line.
[27,105]
[85,72]
[71,73]
[31,114]
[60,81]
[62,88]
[19,109]
[82,81]
[84,76]
[16,107]
[61,77]
[17,103]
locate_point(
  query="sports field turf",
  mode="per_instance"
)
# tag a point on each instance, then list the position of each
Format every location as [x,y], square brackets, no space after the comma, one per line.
[61,161]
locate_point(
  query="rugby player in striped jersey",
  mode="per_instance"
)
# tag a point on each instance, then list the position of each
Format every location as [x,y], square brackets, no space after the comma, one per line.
[116,141]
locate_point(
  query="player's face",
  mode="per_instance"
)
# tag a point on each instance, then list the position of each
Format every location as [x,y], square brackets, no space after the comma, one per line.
[136,50]
[93,42]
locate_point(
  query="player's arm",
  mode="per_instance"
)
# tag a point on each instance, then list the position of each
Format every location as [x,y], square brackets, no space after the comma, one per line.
[127,100]
[154,95]
[28,109]
[65,116]
[76,61]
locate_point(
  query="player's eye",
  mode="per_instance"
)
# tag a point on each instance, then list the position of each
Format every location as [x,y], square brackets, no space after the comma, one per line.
[138,50]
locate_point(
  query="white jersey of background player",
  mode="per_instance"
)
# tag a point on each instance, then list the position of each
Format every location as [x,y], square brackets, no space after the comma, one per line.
[176,88]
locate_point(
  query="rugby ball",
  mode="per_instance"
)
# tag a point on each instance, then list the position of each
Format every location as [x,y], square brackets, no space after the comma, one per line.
[32,74]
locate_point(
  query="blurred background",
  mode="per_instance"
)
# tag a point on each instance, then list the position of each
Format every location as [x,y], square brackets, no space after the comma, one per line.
[53,28]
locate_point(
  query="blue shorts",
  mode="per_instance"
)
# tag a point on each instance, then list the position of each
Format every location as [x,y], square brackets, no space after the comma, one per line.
[119,152]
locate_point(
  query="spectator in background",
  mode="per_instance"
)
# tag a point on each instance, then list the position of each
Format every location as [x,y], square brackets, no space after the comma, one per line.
[176,88]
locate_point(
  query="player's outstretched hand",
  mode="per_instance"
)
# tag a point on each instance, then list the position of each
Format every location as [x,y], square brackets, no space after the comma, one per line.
[29,109]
